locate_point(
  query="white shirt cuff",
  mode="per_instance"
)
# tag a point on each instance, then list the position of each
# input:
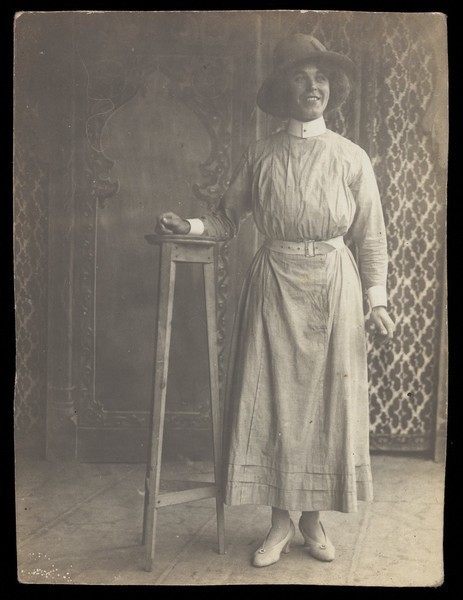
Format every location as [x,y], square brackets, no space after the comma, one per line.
[377,296]
[196,226]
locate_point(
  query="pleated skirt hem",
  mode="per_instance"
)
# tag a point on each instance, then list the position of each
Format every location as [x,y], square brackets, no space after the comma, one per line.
[339,493]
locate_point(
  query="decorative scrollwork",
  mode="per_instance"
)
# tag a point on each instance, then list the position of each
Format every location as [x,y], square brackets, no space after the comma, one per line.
[109,86]
[203,86]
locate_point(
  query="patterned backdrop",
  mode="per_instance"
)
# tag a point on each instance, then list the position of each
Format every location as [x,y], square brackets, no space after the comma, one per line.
[404,375]
[30,210]
[390,119]
[30,247]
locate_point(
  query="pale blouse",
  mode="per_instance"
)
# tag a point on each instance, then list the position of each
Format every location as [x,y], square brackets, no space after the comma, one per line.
[328,177]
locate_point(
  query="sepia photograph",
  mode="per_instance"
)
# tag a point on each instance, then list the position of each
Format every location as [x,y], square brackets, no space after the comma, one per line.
[230,293]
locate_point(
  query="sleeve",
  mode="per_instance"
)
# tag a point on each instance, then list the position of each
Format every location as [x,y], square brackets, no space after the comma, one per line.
[196,226]
[234,207]
[369,233]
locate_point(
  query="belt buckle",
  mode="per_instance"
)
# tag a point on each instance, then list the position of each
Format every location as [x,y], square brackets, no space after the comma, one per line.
[309,248]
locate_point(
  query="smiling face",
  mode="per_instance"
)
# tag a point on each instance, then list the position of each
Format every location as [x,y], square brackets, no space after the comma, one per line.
[308,92]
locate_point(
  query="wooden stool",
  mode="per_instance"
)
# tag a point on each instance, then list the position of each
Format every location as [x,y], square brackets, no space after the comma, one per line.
[186,249]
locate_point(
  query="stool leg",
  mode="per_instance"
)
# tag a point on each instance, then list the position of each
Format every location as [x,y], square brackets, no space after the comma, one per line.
[145,506]
[161,368]
[211,318]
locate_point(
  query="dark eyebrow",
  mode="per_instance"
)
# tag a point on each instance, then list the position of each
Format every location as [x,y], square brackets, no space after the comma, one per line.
[298,72]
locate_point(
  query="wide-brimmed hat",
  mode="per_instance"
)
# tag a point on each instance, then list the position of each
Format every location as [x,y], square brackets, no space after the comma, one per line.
[294,49]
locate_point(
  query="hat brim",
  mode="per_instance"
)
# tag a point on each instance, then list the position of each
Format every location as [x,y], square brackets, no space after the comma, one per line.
[268,96]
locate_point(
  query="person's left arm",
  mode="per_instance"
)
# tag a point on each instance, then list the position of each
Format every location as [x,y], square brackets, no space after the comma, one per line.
[369,234]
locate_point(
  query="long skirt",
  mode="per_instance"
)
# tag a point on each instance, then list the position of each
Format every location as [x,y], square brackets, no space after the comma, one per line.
[296,414]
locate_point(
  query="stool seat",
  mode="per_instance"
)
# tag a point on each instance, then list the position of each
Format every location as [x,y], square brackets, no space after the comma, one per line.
[195,240]
[184,249]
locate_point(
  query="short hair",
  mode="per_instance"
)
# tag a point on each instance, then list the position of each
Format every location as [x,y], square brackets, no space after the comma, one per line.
[340,85]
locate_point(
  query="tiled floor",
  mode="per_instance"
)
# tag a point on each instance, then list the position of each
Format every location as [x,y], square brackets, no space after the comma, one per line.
[81,523]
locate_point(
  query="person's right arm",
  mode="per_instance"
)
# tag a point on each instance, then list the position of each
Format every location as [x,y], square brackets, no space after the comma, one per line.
[222,223]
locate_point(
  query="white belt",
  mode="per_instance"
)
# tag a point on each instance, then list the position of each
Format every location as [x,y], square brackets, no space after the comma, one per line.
[306,247]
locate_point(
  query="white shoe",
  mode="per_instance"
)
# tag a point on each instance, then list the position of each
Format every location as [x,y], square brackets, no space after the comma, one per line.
[263,557]
[324,551]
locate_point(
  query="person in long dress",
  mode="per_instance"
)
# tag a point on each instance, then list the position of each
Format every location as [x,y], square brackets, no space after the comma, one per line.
[297,393]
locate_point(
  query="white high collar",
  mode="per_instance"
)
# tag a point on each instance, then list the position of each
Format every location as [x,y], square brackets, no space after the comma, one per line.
[306,129]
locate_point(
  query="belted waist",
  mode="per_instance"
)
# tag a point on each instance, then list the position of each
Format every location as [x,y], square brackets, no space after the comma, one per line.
[306,247]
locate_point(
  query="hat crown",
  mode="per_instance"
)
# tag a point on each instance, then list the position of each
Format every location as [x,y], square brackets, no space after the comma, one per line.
[294,48]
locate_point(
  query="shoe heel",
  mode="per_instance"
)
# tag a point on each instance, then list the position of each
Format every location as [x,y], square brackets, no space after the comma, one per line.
[287,548]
